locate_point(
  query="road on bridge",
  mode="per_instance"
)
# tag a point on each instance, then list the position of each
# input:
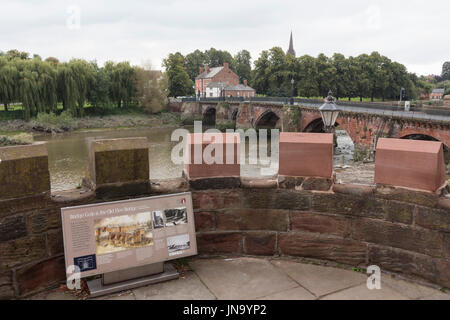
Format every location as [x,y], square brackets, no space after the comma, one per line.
[383,111]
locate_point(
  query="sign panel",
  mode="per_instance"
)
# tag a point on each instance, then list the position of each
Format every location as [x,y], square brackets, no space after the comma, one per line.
[407,105]
[112,236]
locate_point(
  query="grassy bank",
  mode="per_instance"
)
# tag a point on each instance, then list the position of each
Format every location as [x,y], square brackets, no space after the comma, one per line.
[94,118]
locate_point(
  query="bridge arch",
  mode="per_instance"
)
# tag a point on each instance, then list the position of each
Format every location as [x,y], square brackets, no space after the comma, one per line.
[267,120]
[315,125]
[427,137]
[209,116]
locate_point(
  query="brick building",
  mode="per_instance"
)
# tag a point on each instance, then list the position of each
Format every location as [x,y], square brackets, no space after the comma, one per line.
[437,94]
[240,90]
[218,74]
[222,89]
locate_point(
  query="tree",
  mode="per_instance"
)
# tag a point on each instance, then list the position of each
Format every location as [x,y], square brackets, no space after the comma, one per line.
[13,54]
[216,58]
[307,77]
[278,74]
[360,72]
[179,83]
[66,87]
[446,71]
[99,93]
[243,65]
[123,82]
[260,74]
[84,75]
[151,89]
[8,81]
[193,61]
[325,74]
[53,61]
[342,80]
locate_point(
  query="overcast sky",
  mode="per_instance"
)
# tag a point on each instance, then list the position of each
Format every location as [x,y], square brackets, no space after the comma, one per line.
[411,32]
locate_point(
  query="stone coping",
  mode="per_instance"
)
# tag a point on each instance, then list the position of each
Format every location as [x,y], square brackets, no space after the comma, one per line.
[36,149]
[300,184]
[101,145]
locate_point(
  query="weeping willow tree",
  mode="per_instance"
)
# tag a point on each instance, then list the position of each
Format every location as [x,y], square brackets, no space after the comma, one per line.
[40,84]
[8,82]
[122,82]
[66,86]
[84,74]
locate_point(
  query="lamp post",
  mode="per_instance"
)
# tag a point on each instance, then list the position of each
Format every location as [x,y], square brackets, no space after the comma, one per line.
[292,91]
[329,112]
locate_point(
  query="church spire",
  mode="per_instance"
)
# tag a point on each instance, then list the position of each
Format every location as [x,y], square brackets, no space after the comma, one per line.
[291,50]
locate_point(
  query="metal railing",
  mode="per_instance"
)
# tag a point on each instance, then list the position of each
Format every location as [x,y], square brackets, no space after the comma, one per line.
[386,109]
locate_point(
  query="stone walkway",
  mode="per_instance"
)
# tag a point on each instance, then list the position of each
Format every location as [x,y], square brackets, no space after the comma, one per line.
[277,279]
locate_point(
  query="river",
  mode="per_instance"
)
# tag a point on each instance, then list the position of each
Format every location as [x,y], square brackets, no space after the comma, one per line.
[68,154]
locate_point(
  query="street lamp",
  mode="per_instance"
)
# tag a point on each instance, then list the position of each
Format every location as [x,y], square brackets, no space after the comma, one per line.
[292,91]
[329,112]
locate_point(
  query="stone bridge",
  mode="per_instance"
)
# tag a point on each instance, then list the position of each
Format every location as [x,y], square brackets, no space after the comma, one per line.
[362,125]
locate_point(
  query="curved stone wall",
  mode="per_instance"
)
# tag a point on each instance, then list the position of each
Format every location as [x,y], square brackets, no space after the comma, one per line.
[400,230]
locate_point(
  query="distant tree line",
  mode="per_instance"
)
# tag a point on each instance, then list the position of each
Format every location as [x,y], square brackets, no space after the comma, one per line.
[366,76]
[182,70]
[39,85]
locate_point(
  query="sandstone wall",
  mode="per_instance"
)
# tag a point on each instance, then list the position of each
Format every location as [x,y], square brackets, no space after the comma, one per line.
[402,231]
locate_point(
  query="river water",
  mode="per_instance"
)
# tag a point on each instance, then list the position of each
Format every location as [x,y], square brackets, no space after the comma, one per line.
[68,154]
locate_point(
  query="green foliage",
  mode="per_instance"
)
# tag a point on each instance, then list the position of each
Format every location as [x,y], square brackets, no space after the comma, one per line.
[243,65]
[360,154]
[21,139]
[38,86]
[53,122]
[179,83]
[358,269]
[373,76]
[151,89]
[224,125]
[446,71]
[189,120]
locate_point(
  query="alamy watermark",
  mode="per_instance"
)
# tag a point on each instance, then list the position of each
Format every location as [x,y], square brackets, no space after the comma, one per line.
[374,279]
[213,153]
[73,277]
[73,21]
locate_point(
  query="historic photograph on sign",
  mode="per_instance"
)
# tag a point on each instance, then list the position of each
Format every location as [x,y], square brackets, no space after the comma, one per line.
[158,220]
[175,216]
[123,232]
[178,243]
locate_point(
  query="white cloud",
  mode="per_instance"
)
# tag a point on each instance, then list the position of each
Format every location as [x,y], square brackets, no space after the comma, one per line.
[411,32]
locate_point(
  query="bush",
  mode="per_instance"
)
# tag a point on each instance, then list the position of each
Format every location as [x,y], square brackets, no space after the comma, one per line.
[360,154]
[189,120]
[50,122]
[20,139]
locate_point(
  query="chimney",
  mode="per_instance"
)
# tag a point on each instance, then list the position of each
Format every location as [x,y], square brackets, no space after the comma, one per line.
[226,65]
[245,82]
[201,70]
[207,68]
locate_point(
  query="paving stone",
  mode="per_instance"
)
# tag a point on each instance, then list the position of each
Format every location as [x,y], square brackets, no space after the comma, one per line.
[298,293]
[362,293]
[241,278]
[54,295]
[408,289]
[437,296]
[188,288]
[124,295]
[320,280]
